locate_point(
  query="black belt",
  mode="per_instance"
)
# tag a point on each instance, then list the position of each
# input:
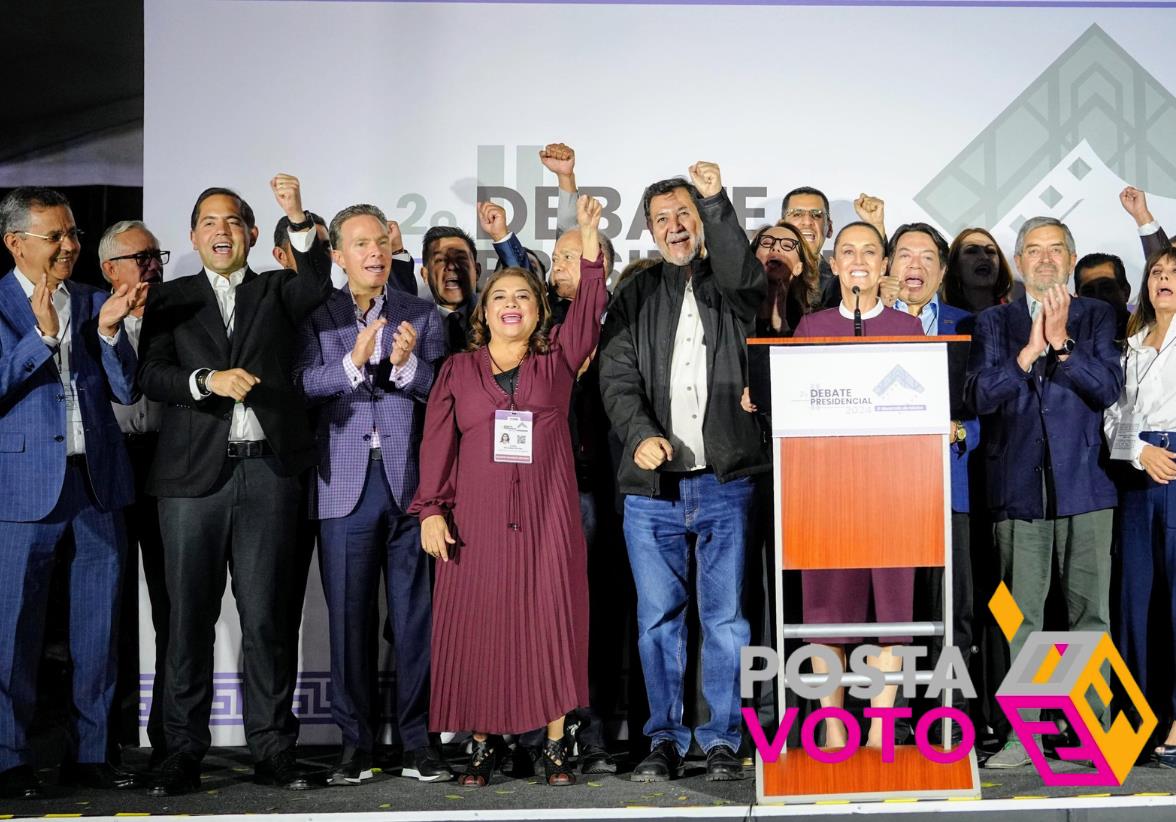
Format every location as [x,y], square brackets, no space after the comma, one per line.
[140,437]
[248,449]
[1160,438]
[76,460]
[374,455]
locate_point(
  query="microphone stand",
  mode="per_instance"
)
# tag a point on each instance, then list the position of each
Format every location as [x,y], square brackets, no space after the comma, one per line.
[857,312]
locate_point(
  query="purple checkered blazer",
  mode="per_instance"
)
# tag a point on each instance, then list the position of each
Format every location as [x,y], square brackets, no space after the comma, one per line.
[345,417]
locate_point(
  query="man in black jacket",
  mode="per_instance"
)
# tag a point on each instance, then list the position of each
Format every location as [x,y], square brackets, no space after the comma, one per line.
[672,370]
[217,348]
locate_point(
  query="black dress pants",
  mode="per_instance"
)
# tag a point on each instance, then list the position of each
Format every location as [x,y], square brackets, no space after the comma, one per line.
[246,525]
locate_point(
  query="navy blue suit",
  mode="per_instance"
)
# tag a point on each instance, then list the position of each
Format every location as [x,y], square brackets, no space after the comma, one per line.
[1061,401]
[45,495]
[1045,460]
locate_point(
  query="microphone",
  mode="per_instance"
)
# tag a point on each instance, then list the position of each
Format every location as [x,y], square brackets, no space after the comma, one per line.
[857,312]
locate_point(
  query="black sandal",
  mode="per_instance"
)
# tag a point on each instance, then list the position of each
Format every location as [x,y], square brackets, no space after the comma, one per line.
[555,763]
[482,761]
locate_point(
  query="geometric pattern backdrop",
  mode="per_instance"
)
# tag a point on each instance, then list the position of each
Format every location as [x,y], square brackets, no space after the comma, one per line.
[1094,91]
[311,703]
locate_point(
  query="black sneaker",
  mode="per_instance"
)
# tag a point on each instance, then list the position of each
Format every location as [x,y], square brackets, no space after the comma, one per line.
[353,768]
[282,769]
[427,765]
[663,764]
[722,765]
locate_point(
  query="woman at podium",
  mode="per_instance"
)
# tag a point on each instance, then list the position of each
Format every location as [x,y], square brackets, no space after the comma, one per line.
[844,595]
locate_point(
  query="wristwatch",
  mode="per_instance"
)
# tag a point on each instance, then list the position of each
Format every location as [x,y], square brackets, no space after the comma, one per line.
[306,224]
[1067,347]
[202,380]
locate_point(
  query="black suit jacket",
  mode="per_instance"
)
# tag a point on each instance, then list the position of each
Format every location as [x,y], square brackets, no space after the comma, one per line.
[1154,242]
[183,332]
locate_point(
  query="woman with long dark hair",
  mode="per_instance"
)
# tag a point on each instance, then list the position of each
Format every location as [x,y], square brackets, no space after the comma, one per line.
[1141,429]
[978,275]
[794,284]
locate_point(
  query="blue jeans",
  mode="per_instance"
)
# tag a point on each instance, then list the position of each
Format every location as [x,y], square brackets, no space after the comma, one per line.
[656,533]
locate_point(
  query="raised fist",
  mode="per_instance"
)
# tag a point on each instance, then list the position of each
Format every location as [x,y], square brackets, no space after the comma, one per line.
[288,192]
[706,179]
[395,238]
[492,218]
[1135,203]
[588,211]
[558,158]
[872,210]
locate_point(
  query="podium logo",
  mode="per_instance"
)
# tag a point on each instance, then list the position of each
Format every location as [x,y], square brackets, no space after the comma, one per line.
[1082,675]
[899,391]
[901,378]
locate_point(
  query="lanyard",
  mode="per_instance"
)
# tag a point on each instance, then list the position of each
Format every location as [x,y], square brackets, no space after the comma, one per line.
[1139,378]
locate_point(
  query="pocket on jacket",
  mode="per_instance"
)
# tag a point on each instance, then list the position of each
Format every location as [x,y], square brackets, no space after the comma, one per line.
[12,443]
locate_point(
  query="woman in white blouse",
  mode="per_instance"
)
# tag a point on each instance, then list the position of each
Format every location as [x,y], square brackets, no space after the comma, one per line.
[1141,429]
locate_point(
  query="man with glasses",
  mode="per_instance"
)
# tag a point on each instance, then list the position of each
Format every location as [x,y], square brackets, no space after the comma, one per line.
[129,254]
[63,468]
[807,208]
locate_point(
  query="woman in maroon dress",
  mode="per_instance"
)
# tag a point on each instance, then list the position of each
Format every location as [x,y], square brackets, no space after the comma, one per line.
[510,605]
[844,595]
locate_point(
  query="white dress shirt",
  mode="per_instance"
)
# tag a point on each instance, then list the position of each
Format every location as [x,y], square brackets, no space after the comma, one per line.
[1149,390]
[62,345]
[244,426]
[688,388]
[401,375]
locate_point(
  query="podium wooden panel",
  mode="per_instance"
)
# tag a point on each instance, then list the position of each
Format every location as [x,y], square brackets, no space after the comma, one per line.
[866,500]
[910,774]
[861,502]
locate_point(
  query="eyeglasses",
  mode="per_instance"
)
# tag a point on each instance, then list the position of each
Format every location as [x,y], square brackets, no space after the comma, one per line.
[144,258]
[785,243]
[797,213]
[56,237]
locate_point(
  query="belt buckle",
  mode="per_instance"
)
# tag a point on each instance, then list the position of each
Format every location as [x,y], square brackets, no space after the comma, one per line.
[1163,437]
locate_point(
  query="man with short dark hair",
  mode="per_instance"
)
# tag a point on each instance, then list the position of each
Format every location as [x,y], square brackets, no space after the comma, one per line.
[217,348]
[64,470]
[1104,277]
[1041,372]
[807,208]
[673,339]
[450,268]
[917,255]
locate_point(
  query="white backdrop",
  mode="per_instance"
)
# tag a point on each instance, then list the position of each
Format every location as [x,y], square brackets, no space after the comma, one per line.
[957,116]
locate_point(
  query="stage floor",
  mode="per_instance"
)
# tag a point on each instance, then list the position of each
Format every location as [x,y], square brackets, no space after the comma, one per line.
[228,789]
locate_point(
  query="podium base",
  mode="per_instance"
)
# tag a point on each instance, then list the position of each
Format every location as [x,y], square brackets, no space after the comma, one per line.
[798,778]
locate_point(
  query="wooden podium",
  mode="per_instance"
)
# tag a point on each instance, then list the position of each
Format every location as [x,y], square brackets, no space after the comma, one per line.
[862,480]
